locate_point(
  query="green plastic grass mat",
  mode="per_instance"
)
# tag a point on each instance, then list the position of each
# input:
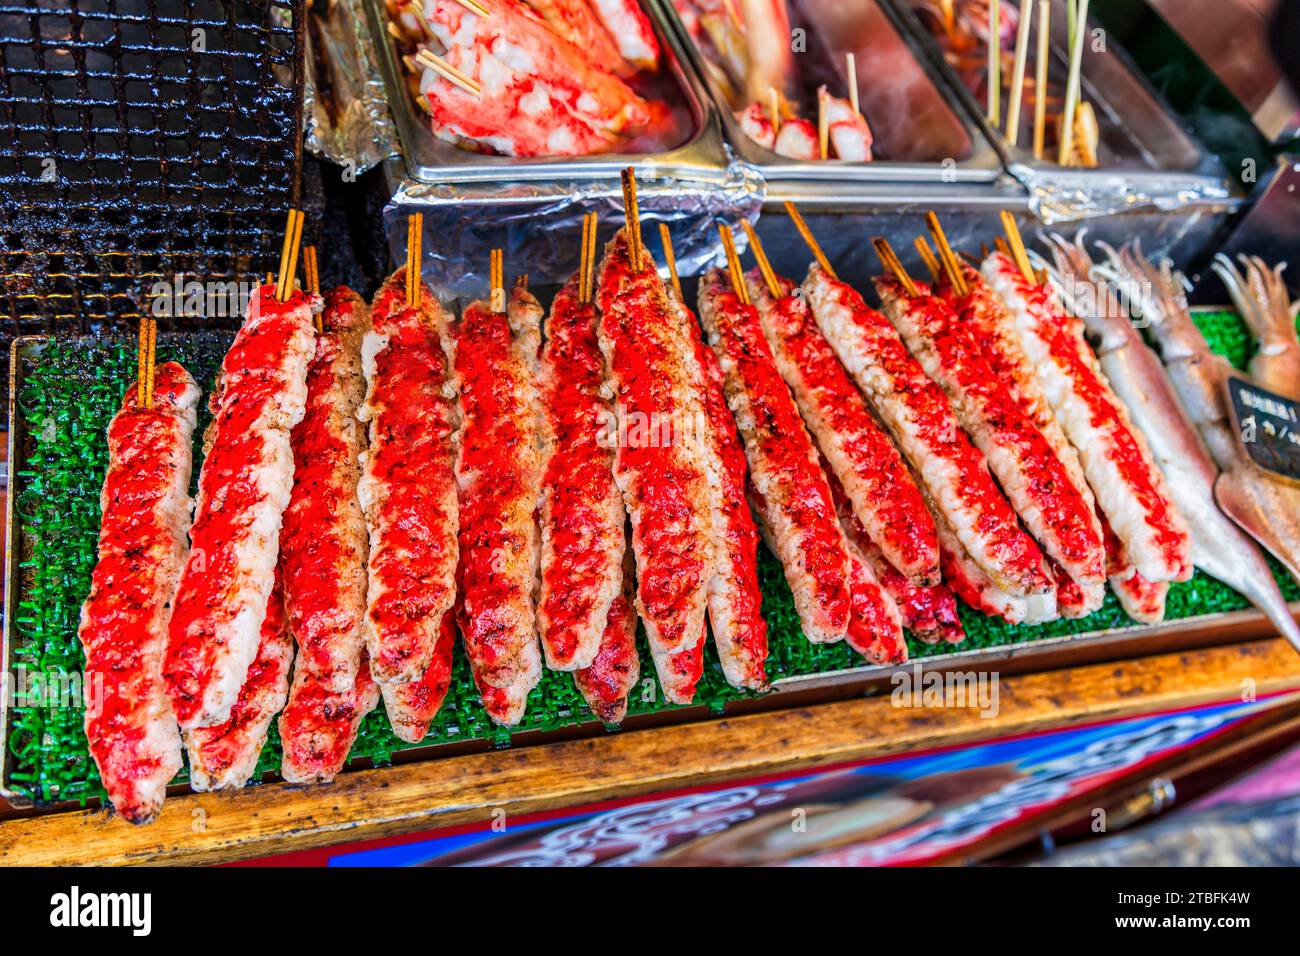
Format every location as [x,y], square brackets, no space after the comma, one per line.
[71,391]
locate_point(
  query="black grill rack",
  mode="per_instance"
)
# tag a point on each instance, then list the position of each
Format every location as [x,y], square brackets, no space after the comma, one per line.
[140,140]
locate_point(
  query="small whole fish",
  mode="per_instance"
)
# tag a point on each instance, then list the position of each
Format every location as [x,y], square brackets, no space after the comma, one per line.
[1160,404]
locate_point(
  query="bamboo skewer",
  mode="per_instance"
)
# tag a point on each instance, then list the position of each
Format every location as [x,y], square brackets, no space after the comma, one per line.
[995,66]
[1072,86]
[946,255]
[289,256]
[142,356]
[823,126]
[809,238]
[1018,251]
[473,6]
[1040,76]
[311,269]
[764,266]
[312,276]
[851,72]
[734,15]
[774,103]
[497,281]
[666,238]
[1018,73]
[733,264]
[951,265]
[889,259]
[151,363]
[414,256]
[1001,246]
[587,259]
[927,256]
[448,72]
[145,361]
[632,212]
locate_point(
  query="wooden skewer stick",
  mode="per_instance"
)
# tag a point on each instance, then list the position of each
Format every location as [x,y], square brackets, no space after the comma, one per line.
[946,255]
[582,258]
[521,281]
[448,72]
[823,125]
[1001,246]
[415,8]
[311,269]
[733,264]
[151,362]
[851,76]
[1018,72]
[733,15]
[889,259]
[289,256]
[1040,76]
[312,275]
[1072,87]
[774,103]
[927,256]
[414,257]
[633,215]
[764,266]
[141,363]
[666,238]
[591,257]
[473,6]
[497,298]
[809,238]
[1018,252]
[995,67]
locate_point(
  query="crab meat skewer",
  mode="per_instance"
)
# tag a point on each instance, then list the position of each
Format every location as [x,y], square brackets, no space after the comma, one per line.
[408,488]
[861,456]
[130,728]
[1036,482]
[951,469]
[499,473]
[663,484]
[1129,488]
[788,488]
[224,590]
[582,513]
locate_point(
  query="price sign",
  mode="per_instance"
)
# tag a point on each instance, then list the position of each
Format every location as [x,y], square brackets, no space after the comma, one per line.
[1268,426]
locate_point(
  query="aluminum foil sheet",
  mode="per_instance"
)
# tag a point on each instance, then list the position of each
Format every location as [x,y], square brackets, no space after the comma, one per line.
[539,224]
[1057,196]
[345,101]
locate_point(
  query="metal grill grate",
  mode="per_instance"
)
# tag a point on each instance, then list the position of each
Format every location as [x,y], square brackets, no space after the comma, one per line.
[139,140]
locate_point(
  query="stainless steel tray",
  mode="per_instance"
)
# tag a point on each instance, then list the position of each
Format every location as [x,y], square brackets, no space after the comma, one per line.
[700,156]
[919,137]
[1146,157]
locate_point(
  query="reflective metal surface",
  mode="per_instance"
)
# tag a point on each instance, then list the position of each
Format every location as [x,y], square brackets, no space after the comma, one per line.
[919,136]
[1146,158]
